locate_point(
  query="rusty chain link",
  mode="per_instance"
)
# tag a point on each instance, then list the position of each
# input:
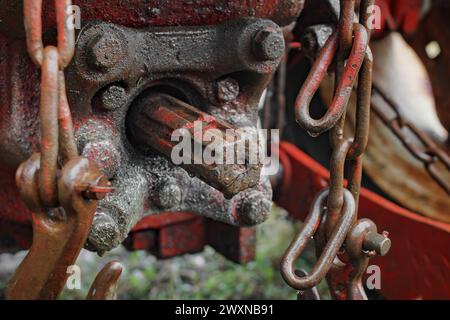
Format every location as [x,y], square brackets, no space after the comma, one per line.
[349,47]
[308,230]
[54,111]
[57,135]
[63,199]
[430,154]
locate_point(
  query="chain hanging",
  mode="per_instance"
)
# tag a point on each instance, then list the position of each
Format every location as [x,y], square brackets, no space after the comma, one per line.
[332,220]
[430,154]
[63,199]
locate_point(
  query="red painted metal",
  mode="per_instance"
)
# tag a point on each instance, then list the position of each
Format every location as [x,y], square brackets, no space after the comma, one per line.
[236,244]
[144,13]
[168,235]
[401,15]
[172,234]
[418,264]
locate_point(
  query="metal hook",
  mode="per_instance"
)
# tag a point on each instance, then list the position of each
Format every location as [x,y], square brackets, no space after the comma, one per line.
[56,241]
[105,284]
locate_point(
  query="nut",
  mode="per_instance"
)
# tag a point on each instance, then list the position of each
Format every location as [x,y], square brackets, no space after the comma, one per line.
[254,209]
[113,97]
[227,89]
[268,45]
[106,50]
[169,195]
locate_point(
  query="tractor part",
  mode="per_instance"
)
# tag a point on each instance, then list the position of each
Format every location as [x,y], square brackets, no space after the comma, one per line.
[107,82]
[151,125]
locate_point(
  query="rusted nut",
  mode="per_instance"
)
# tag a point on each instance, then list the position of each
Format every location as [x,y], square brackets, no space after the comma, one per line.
[104,234]
[227,89]
[168,195]
[106,50]
[268,45]
[254,209]
[379,243]
[112,97]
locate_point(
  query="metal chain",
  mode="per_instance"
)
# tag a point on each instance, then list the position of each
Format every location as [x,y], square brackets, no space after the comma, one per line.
[430,154]
[54,110]
[57,134]
[43,185]
[349,47]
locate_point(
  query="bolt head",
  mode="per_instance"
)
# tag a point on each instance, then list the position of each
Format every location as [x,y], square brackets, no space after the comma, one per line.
[227,89]
[254,209]
[104,234]
[169,195]
[113,97]
[268,45]
[106,51]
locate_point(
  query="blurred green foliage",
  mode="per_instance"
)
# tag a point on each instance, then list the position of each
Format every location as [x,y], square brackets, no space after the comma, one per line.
[205,275]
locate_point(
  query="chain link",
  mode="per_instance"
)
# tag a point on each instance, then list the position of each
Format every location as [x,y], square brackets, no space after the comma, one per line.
[430,154]
[43,185]
[33,29]
[57,133]
[55,117]
[349,47]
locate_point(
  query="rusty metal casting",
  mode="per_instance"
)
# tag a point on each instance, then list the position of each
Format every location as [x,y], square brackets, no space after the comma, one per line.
[115,65]
[153,120]
[198,75]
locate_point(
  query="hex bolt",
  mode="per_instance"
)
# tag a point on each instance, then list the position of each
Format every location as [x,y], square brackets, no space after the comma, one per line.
[104,233]
[254,208]
[169,195]
[268,44]
[113,97]
[105,51]
[227,89]
[379,243]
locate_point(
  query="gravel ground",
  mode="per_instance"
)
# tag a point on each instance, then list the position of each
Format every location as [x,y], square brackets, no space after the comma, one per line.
[206,275]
